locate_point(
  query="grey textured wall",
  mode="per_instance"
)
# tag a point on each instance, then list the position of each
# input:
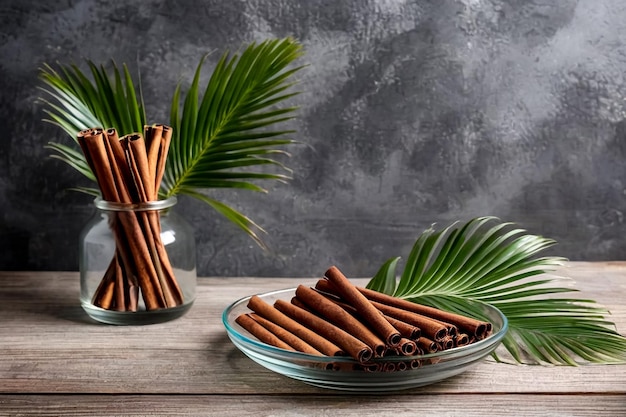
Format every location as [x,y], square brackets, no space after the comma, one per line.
[413,112]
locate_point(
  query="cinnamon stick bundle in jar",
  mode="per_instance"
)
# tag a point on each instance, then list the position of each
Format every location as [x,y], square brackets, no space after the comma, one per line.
[128,171]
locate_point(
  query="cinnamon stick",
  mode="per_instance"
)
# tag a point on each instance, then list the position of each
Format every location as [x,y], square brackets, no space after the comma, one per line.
[430,328]
[166,138]
[152,135]
[121,288]
[470,325]
[350,344]
[93,142]
[261,332]
[121,172]
[446,343]
[427,345]
[407,347]
[348,291]
[286,336]
[406,330]
[461,339]
[103,296]
[270,313]
[137,156]
[339,317]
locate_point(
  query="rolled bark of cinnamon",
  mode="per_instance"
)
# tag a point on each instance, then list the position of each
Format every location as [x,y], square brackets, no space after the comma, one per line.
[270,313]
[153,135]
[406,330]
[260,332]
[354,347]
[158,137]
[430,328]
[103,297]
[330,290]
[296,302]
[362,305]
[326,287]
[470,325]
[407,347]
[340,317]
[446,343]
[427,345]
[461,339]
[141,169]
[452,329]
[286,336]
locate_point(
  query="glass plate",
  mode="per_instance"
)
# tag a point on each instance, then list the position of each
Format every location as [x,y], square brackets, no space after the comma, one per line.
[337,373]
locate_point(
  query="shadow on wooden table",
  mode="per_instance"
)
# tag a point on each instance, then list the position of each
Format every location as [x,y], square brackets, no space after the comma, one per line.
[51,297]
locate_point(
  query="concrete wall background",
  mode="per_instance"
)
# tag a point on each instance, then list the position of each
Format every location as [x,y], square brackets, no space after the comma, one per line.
[413,113]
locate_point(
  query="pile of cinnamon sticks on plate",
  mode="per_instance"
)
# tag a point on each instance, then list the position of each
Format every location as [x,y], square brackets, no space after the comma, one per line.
[337,318]
[129,170]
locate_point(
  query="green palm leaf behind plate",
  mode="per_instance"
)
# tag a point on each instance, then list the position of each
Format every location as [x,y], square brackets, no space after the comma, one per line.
[492,262]
[221,140]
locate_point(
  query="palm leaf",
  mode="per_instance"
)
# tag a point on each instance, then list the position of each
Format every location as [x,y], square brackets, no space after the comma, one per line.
[73,158]
[488,261]
[235,217]
[229,123]
[221,140]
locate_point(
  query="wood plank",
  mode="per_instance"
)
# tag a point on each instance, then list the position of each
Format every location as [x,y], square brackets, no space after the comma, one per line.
[316,405]
[48,345]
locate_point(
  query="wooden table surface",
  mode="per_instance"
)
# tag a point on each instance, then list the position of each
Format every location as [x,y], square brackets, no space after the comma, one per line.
[54,360]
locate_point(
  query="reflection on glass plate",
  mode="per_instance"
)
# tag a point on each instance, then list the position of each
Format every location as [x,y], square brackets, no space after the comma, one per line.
[337,372]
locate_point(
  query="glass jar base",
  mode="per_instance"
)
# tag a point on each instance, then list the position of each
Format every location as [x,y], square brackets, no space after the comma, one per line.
[135,318]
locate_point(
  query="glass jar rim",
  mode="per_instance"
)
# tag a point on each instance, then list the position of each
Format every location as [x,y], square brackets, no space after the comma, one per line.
[143,206]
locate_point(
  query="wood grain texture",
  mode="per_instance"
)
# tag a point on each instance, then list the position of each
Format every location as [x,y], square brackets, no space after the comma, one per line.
[446,405]
[55,359]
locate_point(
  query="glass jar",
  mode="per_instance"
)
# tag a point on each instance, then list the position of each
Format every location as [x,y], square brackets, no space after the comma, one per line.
[137,263]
